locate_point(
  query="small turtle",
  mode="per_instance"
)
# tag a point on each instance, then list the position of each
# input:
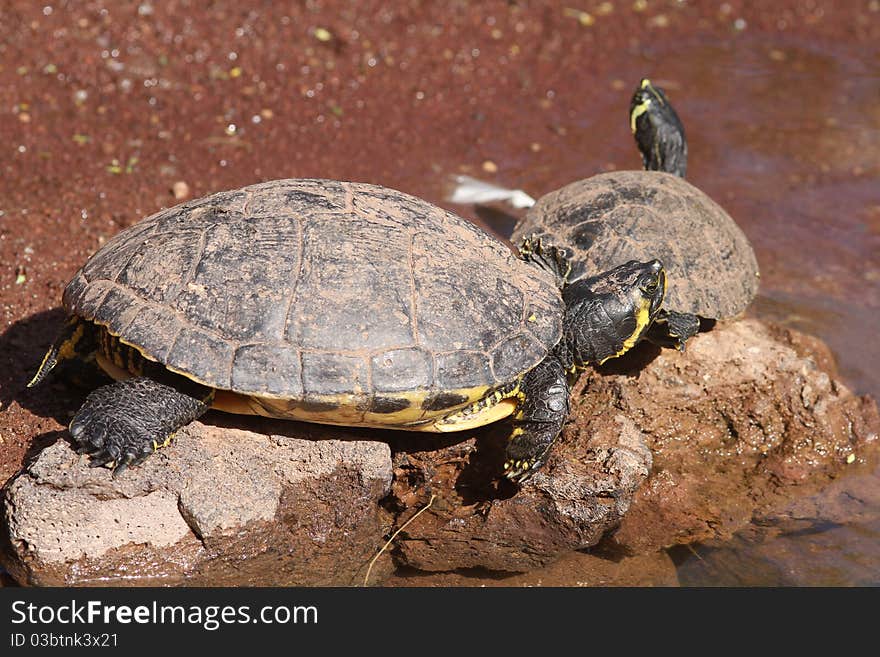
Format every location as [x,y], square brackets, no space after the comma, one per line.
[337,303]
[623,215]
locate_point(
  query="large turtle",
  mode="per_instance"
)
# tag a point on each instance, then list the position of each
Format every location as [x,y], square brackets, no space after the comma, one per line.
[338,303]
[623,215]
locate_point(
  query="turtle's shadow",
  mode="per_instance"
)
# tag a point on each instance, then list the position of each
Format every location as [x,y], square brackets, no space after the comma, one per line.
[22,347]
[499,221]
[633,361]
[477,480]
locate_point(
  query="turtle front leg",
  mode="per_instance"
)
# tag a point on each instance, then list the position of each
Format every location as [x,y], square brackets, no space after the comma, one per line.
[672,329]
[536,250]
[122,423]
[538,420]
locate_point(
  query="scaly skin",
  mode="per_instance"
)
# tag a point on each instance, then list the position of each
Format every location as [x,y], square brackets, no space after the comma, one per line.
[124,422]
[673,329]
[538,420]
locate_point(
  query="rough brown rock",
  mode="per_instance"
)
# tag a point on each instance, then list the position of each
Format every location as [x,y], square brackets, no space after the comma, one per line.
[221,506]
[474,521]
[743,422]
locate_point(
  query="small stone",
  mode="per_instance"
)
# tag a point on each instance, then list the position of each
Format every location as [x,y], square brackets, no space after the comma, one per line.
[323,34]
[660,20]
[490,167]
[180,190]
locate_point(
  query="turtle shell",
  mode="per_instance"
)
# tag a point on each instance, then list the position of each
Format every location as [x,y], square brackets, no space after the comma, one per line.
[611,218]
[322,290]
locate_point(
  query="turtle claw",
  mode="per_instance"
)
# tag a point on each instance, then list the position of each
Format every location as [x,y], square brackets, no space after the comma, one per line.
[519,471]
[122,464]
[98,461]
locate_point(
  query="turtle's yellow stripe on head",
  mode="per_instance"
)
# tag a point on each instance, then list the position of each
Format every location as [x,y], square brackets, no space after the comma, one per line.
[647,86]
[637,111]
[641,108]
[643,320]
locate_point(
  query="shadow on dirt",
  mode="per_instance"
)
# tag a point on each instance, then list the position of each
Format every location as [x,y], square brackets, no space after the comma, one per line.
[23,346]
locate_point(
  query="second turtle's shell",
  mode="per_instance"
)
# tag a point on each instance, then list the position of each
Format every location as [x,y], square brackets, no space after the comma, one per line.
[611,218]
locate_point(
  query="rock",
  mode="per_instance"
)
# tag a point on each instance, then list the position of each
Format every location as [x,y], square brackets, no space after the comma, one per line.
[742,422]
[221,506]
[475,521]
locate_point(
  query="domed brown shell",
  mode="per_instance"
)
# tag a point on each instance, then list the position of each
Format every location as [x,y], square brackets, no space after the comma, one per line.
[296,289]
[614,217]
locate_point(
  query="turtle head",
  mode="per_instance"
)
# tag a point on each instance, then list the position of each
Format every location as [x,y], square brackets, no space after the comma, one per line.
[657,129]
[607,314]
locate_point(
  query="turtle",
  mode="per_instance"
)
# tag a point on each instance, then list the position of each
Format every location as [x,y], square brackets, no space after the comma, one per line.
[338,303]
[621,215]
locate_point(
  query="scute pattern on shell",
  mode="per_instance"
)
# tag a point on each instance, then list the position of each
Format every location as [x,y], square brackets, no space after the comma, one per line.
[301,288]
[611,218]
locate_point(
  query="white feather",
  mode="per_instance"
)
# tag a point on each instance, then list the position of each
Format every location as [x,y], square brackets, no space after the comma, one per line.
[471,190]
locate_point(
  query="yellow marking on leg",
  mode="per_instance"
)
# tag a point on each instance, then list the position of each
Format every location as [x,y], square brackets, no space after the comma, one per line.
[157,445]
[115,372]
[68,347]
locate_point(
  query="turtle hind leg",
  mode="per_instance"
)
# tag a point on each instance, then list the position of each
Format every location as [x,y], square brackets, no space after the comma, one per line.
[673,329]
[538,420]
[122,423]
[77,340]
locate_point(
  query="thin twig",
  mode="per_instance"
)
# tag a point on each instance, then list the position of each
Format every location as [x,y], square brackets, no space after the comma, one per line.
[394,535]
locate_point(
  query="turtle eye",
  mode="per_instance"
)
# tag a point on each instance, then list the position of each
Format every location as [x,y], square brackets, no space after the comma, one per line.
[652,284]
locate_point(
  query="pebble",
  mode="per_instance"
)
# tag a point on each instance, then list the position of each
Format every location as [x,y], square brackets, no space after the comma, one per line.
[180,190]
[490,167]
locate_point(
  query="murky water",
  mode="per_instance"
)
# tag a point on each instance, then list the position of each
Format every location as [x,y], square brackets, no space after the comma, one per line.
[785,134]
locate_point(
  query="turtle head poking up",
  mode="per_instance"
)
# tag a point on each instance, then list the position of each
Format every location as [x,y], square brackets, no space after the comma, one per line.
[607,314]
[658,131]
